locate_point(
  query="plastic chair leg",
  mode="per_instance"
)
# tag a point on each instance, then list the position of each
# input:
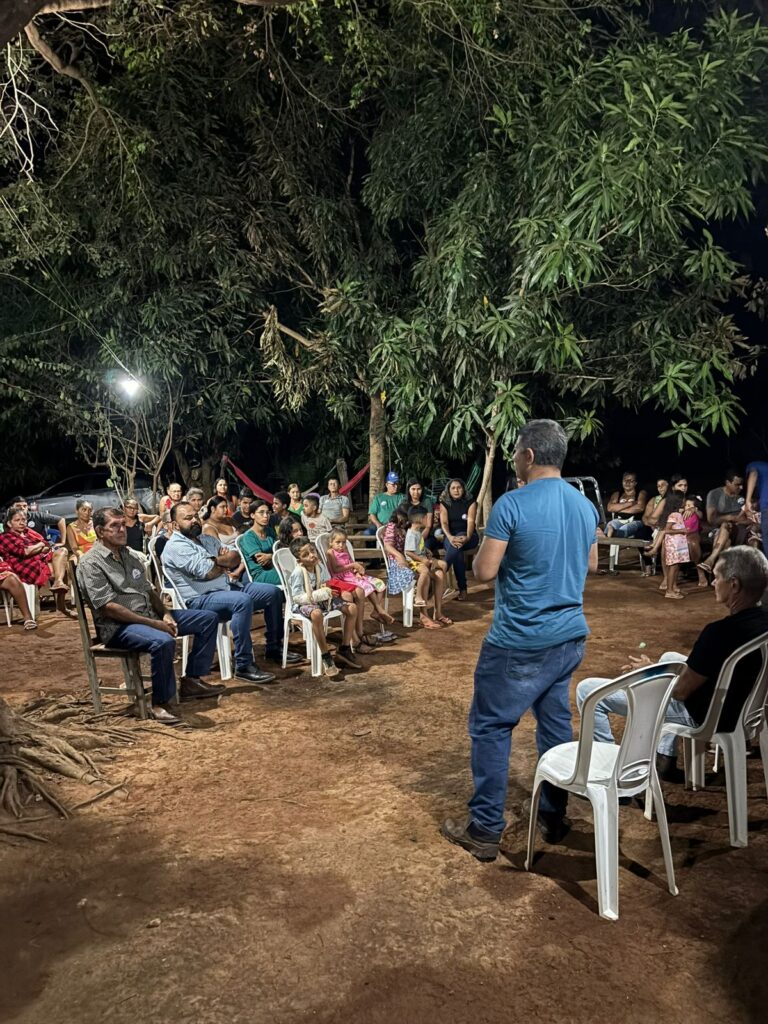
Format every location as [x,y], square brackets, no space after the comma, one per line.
[224,650]
[408,607]
[286,631]
[7,606]
[648,812]
[605,807]
[735,758]
[184,654]
[314,654]
[532,822]
[764,752]
[613,556]
[717,758]
[661,818]
[33,599]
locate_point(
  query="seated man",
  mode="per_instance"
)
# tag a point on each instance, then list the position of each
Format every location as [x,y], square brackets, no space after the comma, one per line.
[741,578]
[241,519]
[201,568]
[313,521]
[727,521]
[383,505]
[128,613]
[626,509]
[337,507]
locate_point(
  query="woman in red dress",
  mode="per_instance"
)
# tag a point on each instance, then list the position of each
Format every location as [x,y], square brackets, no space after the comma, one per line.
[10,581]
[32,558]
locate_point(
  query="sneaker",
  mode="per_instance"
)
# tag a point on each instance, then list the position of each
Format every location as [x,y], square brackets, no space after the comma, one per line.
[330,670]
[483,845]
[346,656]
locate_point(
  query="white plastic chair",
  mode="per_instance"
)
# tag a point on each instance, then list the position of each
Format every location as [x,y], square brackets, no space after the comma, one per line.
[751,723]
[223,634]
[407,595]
[285,563]
[603,772]
[33,600]
[8,606]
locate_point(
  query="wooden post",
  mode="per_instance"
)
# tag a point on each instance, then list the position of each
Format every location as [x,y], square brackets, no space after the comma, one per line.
[341,472]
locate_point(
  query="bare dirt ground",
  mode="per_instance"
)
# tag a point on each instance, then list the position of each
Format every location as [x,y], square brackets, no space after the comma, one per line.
[281,862]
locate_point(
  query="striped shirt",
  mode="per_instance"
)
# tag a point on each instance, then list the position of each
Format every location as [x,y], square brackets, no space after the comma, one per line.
[120,579]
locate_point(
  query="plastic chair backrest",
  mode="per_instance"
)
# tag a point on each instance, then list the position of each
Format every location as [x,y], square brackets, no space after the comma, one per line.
[380,546]
[709,726]
[239,546]
[648,691]
[157,565]
[322,543]
[285,563]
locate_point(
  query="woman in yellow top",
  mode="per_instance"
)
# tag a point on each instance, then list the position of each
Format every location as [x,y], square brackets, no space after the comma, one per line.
[81,535]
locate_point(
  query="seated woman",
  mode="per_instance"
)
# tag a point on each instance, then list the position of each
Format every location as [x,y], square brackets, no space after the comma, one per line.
[337,507]
[257,543]
[415,503]
[32,559]
[217,522]
[296,504]
[221,490]
[137,524]
[457,520]
[11,583]
[171,497]
[626,508]
[290,529]
[81,535]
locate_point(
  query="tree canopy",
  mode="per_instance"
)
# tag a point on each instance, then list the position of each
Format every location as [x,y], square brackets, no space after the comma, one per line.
[433,216]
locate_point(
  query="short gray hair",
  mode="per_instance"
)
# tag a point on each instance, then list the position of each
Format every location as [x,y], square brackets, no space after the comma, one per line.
[194,492]
[547,440]
[748,566]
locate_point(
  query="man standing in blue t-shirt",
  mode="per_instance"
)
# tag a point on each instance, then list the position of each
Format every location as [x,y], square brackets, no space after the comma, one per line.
[539,544]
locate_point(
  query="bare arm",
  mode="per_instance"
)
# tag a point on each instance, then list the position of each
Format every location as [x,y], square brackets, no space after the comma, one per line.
[688,682]
[471,515]
[751,484]
[592,564]
[614,505]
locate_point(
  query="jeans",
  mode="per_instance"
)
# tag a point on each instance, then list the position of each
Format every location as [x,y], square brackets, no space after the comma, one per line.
[625,528]
[507,683]
[455,558]
[237,605]
[616,704]
[162,647]
[370,530]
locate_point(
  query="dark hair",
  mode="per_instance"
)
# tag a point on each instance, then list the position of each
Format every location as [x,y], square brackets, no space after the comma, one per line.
[80,502]
[730,473]
[212,503]
[245,493]
[298,544]
[259,503]
[445,497]
[676,478]
[399,518]
[106,512]
[17,499]
[415,517]
[547,440]
[173,511]
[284,497]
[285,531]
[413,482]
[312,497]
[11,512]
[674,502]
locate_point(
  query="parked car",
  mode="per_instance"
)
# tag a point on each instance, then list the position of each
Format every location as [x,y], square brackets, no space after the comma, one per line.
[59,500]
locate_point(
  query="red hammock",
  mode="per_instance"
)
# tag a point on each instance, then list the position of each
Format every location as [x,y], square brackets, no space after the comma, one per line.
[261,493]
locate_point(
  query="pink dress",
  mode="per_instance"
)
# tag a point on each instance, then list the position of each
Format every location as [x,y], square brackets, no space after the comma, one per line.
[676,544]
[365,583]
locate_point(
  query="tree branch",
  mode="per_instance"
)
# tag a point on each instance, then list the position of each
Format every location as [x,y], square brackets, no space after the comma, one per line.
[56,62]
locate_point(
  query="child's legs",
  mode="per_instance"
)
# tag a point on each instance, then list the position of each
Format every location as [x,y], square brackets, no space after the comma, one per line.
[350,619]
[359,612]
[672,572]
[438,576]
[422,582]
[316,618]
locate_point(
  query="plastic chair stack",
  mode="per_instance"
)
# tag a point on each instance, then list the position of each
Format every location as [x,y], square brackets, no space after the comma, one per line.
[603,772]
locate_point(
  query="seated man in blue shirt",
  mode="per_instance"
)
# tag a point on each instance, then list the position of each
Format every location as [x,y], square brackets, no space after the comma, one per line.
[199,568]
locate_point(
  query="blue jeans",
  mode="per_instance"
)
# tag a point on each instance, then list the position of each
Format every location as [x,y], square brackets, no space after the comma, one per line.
[616,704]
[455,557]
[626,528]
[237,605]
[162,647]
[370,530]
[507,683]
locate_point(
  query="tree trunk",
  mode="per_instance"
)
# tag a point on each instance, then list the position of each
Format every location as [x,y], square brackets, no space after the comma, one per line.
[341,472]
[208,472]
[485,495]
[377,436]
[182,465]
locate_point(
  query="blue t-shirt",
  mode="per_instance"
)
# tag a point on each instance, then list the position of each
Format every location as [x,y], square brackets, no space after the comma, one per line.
[761,468]
[549,528]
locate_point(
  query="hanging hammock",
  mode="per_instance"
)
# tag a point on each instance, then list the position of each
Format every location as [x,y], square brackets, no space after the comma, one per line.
[261,493]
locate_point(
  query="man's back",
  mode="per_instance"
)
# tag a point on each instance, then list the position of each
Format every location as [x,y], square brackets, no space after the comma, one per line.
[549,527]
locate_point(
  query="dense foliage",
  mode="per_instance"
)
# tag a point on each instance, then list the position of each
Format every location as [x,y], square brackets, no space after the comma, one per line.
[473,210]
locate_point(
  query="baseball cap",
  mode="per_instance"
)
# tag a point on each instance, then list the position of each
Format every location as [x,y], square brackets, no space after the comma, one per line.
[393,477]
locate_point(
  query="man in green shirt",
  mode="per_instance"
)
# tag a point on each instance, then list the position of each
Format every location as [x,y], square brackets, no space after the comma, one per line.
[383,505]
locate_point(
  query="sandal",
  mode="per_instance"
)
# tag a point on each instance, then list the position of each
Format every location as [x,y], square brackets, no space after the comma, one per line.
[384,618]
[428,623]
[444,620]
[674,595]
[419,602]
[30,624]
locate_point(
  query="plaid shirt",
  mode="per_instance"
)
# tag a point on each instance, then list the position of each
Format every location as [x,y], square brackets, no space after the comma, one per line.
[120,579]
[29,568]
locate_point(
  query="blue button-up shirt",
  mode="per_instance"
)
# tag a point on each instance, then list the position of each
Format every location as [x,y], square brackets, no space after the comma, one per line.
[187,561]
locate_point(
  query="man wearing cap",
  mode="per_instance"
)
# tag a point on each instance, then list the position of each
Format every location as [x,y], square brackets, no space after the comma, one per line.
[383,505]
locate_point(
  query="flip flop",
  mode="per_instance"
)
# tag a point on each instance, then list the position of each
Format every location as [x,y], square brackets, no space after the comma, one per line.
[428,623]
[30,624]
[445,620]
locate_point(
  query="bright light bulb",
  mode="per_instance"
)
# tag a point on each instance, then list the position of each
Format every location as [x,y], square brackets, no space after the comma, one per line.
[130,386]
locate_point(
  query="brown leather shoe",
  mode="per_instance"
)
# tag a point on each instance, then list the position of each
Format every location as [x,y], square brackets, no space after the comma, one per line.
[196,689]
[482,845]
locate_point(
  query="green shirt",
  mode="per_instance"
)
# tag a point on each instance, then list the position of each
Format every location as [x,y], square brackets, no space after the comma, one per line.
[383,505]
[251,545]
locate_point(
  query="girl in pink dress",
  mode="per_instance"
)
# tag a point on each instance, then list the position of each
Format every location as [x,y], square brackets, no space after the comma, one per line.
[675,550]
[342,566]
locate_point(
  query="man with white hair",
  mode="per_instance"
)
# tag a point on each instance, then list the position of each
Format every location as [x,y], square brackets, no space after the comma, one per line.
[741,579]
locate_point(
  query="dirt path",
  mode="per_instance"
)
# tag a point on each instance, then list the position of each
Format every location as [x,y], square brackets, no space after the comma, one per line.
[282,862]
